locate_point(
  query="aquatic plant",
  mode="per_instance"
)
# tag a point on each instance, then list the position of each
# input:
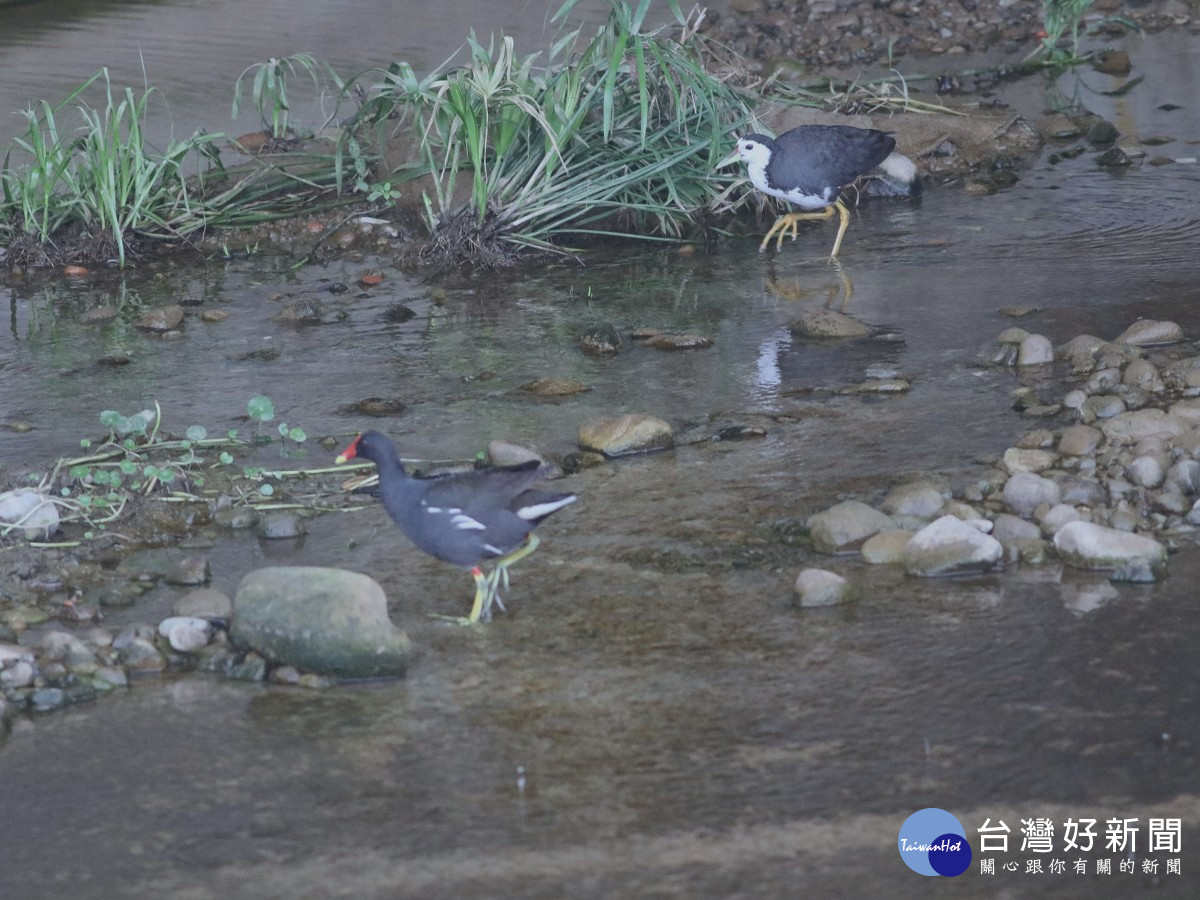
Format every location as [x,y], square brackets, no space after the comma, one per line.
[617,133]
[93,189]
[269,89]
[137,459]
[107,178]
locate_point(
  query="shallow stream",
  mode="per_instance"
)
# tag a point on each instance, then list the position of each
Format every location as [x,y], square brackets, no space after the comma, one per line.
[653,717]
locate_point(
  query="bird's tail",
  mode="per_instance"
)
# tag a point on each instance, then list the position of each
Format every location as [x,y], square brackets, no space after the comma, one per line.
[896,177]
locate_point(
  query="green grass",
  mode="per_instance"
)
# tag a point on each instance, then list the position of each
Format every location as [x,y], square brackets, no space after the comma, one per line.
[615,133]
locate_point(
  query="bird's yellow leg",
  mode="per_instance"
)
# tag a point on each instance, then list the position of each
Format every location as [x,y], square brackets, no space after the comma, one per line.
[843,224]
[482,589]
[488,587]
[786,224]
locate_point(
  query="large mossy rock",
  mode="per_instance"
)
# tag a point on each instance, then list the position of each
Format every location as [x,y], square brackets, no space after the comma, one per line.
[322,620]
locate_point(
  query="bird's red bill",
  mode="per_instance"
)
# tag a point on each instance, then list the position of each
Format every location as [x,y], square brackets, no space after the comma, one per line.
[350,452]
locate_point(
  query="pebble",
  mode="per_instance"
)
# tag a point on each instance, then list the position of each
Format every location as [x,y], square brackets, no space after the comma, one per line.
[678,342]
[37,513]
[185,634]
[1056,517]
[1017,459]
[1185,475]
[554,387]
[505,453]
[140,654]
[1024,492]
[281,525]
[1079,440]
[886,547]
[161,320]
[918,499]
[204,603]
[236,518]
[600,339]
[844,527]
[1103,406]
[820,587]
[950,546]
[1146,471]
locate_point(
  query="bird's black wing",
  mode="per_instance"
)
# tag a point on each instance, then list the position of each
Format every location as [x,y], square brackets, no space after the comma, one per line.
[816,157]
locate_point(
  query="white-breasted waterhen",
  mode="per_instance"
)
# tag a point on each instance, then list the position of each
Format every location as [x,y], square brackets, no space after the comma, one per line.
[465,518]
[809,166]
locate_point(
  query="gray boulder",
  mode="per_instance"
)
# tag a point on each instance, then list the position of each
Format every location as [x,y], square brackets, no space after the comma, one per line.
[323,620]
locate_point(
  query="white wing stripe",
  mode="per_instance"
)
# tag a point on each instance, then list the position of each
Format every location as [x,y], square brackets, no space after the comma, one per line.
[466,523]
[537,510]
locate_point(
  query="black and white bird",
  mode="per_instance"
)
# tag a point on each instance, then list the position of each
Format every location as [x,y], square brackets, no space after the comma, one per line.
[466,518]
[809,166]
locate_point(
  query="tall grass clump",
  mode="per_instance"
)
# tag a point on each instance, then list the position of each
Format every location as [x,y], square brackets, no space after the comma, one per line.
[616,133]
[104,177]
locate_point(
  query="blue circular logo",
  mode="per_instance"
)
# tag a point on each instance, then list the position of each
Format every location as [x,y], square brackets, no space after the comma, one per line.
[933,842]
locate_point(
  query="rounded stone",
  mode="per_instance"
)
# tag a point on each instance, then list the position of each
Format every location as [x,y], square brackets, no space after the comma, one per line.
[37,515]
[1018,459]
[1024,492]
[820,587]
[280,525]
[323,620]
[843,527]
[1035,350]
[919,499]
[141,655]
[1056,517]
[1146,471]
[204,603]
[185,634]
[1079,440]
[1089,546]
[828,325]
[1131,427]
[633,433]
[1141,373]
[886,548]
[950,546]
[1150,333]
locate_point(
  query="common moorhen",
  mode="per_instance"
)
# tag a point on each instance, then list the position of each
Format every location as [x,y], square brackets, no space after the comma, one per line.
[464,518]
[810,164]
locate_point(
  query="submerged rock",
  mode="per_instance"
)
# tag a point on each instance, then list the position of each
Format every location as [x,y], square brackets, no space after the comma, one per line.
[554,387]
[828,325]
[634,433]
[1150,333]
[323,620]
[163,319]
[820,587]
